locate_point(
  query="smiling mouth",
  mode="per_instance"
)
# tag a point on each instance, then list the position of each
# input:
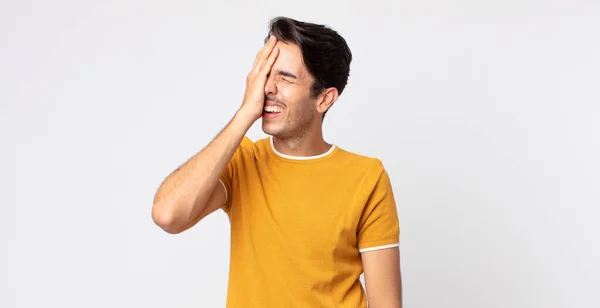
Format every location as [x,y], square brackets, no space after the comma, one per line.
[272,109]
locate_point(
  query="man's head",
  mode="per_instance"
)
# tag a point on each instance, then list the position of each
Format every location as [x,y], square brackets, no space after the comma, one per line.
[310,72]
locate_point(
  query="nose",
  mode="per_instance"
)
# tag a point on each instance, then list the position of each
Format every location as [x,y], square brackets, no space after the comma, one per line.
[270,86]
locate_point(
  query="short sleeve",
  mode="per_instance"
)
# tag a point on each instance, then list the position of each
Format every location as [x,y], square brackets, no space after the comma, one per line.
[227,176]
[379,226]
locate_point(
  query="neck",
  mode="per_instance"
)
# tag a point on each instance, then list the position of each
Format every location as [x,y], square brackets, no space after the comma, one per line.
[308,144]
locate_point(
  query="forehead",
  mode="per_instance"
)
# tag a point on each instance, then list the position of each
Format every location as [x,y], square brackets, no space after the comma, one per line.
[290,59]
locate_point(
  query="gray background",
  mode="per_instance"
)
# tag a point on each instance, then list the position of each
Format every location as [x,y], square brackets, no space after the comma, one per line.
[485,113]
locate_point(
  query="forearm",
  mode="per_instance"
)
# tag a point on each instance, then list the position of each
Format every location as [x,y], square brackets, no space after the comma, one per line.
[185,192]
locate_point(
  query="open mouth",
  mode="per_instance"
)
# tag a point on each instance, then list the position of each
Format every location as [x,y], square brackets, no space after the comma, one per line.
[273,109]
[272,112]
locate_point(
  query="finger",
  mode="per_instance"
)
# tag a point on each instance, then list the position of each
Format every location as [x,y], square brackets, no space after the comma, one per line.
[268,64]
[265,51]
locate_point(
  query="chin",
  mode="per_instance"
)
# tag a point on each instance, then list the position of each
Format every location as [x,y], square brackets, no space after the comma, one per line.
[269,130]
[272,129]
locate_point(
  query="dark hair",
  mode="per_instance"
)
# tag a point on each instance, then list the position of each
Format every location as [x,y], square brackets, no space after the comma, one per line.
[325,53]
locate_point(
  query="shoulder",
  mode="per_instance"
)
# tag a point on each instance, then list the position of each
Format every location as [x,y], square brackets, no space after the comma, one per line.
[248,144]
[368,169]
[245,150]
[249,149]
[361,161]
[262,142]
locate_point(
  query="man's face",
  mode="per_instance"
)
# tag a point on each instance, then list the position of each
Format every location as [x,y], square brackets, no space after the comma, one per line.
[289,110]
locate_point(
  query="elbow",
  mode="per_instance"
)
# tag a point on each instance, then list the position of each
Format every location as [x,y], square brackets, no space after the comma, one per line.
[166,219]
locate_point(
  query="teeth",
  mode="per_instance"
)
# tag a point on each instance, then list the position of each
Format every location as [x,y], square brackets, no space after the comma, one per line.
[273,109]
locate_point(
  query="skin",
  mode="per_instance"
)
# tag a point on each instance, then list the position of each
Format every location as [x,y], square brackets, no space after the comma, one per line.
[278,76]
[298,129]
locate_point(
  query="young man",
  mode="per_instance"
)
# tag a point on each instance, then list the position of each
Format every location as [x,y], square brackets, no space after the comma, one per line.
[307,217]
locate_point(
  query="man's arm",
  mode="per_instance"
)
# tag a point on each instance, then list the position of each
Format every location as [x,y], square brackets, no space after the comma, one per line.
[382,277]
[183,197]
[191,192]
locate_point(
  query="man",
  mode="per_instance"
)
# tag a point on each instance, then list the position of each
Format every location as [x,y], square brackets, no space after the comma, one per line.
[307,217]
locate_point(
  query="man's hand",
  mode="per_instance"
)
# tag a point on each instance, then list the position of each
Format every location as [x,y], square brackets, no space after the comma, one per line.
[254,98]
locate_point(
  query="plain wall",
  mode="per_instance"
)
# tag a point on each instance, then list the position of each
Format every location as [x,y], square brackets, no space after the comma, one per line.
[485,114]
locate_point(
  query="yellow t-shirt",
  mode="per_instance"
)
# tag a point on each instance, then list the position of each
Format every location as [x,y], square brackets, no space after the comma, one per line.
[298,225]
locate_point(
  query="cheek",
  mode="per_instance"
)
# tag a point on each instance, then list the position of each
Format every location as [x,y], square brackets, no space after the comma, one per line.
[303,110]
[284,93]
[292,93]
[297,100]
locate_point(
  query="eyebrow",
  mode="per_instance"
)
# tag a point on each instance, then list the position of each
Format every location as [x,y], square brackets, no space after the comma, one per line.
[287,74]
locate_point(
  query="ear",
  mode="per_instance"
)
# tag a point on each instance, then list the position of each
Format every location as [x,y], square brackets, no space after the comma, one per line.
[326,99]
